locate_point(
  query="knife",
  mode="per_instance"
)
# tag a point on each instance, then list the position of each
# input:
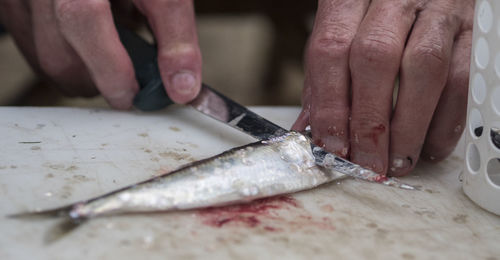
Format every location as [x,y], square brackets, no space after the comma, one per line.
[152,96]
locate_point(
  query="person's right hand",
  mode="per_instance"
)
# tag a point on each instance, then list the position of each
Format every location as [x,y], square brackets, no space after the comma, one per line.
[75,44]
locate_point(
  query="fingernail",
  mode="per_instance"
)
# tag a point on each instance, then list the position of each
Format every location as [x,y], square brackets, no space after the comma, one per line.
[335,145]
[399,165]
[369,161]
[183,82]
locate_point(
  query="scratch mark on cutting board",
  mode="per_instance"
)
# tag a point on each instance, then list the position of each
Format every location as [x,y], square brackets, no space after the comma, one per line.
[460,218]
[426,213]
[178,156]
[175,129]
[61,167]
[188,144]
[407,256]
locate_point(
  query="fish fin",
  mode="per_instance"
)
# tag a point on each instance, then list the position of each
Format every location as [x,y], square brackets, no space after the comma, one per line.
[62,229]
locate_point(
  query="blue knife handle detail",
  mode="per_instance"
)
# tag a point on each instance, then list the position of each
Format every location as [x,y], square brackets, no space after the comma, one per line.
[152,94]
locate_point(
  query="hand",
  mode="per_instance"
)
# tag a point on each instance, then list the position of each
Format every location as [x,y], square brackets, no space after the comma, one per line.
[75,43]
[354,55]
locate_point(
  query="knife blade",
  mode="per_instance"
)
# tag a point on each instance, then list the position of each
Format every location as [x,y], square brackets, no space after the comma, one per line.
[152,96]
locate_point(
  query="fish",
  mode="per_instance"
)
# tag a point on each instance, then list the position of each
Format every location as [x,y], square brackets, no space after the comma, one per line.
[279,165]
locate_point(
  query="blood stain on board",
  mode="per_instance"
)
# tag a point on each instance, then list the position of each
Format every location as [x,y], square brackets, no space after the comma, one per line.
[272,229]
[248,215]
[269,214]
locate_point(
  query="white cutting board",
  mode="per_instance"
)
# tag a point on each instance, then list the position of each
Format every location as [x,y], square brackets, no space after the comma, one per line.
[53,156]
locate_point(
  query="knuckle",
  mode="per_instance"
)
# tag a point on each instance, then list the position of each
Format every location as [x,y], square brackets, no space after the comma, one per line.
[336,112]
[181,54]
[66,10]
[431,55]
[333,42]
[375,49]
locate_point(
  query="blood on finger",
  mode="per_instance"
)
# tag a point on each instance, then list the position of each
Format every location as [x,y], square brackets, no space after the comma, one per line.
[375,133]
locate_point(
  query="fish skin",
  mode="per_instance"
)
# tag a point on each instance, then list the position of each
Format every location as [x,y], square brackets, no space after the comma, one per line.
[280,165]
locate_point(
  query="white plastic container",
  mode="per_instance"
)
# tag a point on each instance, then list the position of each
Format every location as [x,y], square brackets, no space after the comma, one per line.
[481,181]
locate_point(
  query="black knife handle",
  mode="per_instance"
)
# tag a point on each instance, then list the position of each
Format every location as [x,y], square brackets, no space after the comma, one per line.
[152,94]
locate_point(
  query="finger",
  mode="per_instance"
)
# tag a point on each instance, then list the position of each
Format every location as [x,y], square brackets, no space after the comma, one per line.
[327,71]
[423,76]
[375,60]
[56,58]
[303,119]
[179,56]
[448,122]
[89,28]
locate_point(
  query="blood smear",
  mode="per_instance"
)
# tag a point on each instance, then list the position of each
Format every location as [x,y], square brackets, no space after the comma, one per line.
[265,213]
[247,214]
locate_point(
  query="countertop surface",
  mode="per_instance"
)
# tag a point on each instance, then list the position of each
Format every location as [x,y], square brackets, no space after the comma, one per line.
[54,156]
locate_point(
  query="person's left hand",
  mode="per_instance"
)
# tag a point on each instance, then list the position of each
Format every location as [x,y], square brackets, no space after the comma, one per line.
[75,45]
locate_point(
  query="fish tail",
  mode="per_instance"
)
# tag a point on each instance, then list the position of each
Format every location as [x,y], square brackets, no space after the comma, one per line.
[51,213]
[69,221]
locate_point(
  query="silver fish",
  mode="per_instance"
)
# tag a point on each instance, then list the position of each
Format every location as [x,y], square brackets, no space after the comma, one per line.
[280,165]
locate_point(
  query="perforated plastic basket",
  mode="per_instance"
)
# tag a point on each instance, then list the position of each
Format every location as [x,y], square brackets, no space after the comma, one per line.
[481,180]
